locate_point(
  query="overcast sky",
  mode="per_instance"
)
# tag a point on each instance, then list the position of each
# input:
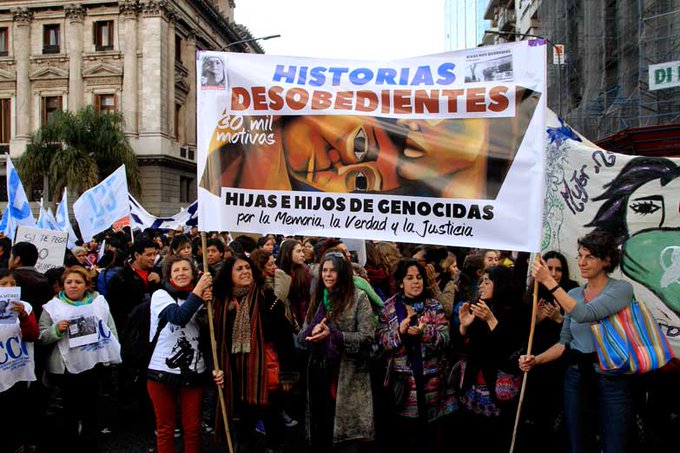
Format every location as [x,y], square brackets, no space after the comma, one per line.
[352,29]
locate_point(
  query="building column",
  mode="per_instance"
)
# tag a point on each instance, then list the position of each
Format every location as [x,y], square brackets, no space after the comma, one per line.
[154,116]
[22,53]
[171,75]
[128,25]
[189,56]
[74,41]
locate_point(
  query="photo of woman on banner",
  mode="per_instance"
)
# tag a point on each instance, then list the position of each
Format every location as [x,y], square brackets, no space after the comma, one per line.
[213,72]
[449,158]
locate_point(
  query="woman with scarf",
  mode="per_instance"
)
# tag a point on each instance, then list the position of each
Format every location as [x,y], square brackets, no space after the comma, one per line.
[414,332]
[177,370]
[492,331]
[78,328]
[255,343]
[338,332]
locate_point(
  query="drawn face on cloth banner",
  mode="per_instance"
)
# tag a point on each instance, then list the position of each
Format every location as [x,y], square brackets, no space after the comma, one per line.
[449,158]
[636,198]
[642,205]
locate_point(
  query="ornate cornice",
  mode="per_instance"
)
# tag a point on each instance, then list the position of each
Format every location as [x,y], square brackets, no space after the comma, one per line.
[167,162]
[23,16]
[74,13]
[129,8]
[154,8]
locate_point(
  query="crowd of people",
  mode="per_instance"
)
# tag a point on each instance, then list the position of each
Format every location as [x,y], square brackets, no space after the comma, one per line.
[418,348]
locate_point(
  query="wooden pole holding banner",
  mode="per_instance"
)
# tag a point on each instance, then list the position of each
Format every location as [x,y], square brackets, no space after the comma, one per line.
[213,345]
[534,307]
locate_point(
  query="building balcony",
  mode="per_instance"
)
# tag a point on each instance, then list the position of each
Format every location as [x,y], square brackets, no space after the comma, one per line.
[506,20]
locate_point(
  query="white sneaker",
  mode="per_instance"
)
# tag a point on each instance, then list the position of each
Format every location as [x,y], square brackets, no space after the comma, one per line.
[288,421]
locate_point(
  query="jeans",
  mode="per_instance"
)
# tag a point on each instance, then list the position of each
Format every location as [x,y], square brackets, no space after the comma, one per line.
[593,399]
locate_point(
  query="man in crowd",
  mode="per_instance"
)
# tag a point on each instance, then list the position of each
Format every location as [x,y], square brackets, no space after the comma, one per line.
[215,255]
[135,283]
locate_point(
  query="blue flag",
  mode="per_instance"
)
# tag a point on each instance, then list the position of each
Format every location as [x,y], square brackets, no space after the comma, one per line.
[19,209]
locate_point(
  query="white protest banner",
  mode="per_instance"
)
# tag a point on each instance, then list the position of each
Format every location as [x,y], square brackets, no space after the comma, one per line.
[441,149]
[51,246]
[9,295]
[634,197]
[98,208]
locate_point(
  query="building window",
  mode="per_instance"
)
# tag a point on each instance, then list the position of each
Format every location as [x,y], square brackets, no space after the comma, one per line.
[178,48]
[51,38]
[185,185]
[105,103]
[103,35]
[5,125]
[4,41]
[178,115]
[50,105]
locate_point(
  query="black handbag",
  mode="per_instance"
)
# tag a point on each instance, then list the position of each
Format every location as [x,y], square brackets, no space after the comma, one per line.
[397,387]
[456,376]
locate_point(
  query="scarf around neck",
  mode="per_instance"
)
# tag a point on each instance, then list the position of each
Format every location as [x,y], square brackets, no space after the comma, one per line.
[242,333]
[87,299]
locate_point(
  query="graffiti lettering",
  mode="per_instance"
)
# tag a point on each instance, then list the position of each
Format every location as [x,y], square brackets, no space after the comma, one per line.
[576,196]
[603,158]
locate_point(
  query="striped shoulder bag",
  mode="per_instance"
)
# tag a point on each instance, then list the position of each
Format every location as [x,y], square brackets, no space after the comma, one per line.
[630,341]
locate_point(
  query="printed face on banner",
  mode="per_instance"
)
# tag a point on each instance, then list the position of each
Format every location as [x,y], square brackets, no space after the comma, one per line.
[316,140]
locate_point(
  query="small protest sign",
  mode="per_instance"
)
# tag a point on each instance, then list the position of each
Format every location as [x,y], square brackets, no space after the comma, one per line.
[9,296]
[51,245]
[82,328]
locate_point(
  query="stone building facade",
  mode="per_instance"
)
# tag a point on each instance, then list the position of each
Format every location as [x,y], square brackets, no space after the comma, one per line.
[133,56]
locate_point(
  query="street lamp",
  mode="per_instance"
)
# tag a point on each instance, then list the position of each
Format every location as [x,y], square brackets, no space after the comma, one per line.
[554,46]
[243,41]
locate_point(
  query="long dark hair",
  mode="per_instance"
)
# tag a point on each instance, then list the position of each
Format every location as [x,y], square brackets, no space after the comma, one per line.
[506,293]
[298,272]
[223,285]
[342,294]
[637,172]
[284,260]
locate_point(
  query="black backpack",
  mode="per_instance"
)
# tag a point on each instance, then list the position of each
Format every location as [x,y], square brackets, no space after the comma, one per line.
[135,348]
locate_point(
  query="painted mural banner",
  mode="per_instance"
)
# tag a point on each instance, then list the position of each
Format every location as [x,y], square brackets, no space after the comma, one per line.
[442,149]
[637,198]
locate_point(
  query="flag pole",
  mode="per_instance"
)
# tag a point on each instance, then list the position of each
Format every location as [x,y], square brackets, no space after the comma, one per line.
[532,329]
[213,344]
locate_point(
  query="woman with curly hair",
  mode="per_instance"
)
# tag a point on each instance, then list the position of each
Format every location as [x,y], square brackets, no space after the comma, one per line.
[587,390]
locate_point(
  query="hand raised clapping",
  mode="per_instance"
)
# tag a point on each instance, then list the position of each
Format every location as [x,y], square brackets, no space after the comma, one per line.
[320,332]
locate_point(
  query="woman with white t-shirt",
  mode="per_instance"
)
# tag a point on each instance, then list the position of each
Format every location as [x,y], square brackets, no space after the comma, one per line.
[177,370]
[78,327]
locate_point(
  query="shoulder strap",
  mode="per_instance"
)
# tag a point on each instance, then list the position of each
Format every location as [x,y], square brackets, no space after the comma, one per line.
[161,326]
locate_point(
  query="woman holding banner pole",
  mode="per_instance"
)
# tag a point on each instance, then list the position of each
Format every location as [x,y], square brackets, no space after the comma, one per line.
[587,390]
[255,340]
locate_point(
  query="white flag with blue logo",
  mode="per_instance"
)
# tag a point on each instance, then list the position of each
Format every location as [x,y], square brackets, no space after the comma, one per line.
[46,220]
[98,208]
[19,210]
[141,219]
[63,222]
